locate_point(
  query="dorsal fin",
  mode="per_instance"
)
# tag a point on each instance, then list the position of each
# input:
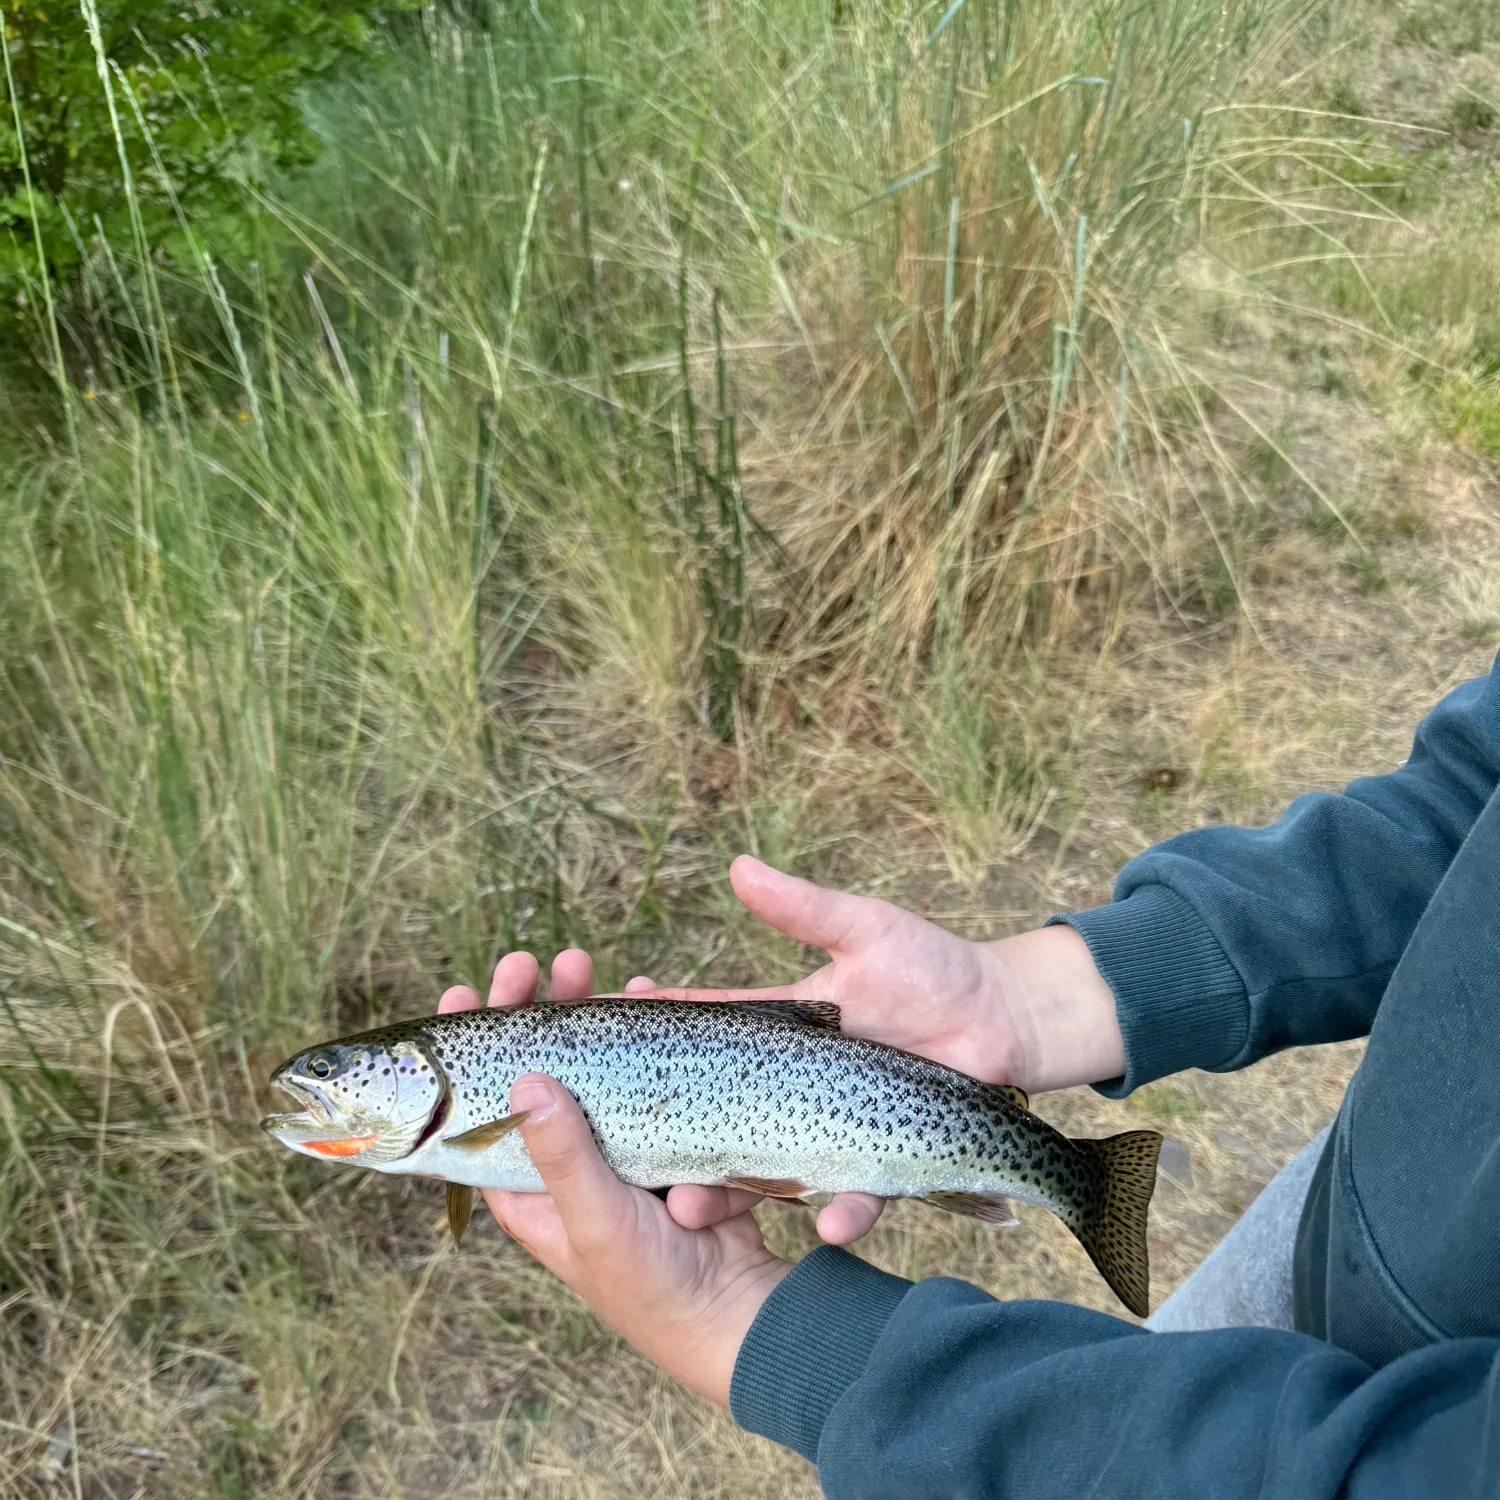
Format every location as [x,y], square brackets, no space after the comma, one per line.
[1017,1096]
[819,1015]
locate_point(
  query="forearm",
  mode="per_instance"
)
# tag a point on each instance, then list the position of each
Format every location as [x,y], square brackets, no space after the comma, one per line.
[937,1390]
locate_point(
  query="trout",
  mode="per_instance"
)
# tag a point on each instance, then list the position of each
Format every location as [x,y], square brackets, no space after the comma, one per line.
[771,1096]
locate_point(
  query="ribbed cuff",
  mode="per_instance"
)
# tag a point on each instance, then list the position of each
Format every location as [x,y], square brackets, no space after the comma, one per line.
[1179,1000]
[808,1344]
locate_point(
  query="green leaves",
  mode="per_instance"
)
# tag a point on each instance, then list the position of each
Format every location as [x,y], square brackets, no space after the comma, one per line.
[206,98]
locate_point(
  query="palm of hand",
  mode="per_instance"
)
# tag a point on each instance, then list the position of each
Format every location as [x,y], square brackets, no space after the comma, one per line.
[895,977]
[907,983]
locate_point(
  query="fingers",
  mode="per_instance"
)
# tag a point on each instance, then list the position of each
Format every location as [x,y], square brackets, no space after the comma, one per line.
[515,980]
[518,975]
[849,1217]
[830,920]
[458,997]
[532,1221]
[640,985]
[589,1198]
[694,1207]
[572,975]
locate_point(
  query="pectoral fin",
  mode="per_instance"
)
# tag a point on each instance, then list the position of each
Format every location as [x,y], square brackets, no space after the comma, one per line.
[988,1208]
[486,1135]
[460,1205]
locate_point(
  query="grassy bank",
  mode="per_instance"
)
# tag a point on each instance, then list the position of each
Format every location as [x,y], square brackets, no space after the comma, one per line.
[938,449]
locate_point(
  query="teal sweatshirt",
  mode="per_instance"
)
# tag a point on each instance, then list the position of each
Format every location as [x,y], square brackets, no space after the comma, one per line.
[1374,912]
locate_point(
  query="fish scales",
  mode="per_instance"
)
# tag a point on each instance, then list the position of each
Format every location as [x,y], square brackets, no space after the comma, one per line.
[677,1095]
[680,1092]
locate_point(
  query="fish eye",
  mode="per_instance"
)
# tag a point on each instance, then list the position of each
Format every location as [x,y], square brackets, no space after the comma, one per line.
[320,1067]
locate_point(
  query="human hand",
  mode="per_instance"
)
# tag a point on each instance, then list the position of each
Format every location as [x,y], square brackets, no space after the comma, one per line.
[685,1297]
[1030,1009]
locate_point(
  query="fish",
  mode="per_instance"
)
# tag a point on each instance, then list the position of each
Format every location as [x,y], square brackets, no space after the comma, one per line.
[769,1096]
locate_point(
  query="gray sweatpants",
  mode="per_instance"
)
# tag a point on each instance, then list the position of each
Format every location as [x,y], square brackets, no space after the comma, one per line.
[1246,1279]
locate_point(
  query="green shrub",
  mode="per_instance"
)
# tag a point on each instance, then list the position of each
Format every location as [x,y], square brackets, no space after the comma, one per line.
[194,101]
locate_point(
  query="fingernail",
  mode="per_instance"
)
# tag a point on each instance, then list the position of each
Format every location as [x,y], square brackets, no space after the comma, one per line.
[534,1095]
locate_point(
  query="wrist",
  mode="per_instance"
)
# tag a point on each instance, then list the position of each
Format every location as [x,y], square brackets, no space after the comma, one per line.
[715,1337]
[1060,1007]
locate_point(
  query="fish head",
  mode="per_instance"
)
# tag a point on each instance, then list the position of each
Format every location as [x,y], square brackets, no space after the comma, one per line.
[368,1100]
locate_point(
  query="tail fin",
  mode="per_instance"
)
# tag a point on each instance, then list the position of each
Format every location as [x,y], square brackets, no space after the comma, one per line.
[1115,1235]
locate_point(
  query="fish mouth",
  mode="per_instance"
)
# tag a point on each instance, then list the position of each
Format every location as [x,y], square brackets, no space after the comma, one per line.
[314,1114]
[314,1128]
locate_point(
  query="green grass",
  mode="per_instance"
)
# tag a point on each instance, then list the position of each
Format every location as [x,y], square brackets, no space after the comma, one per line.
[1471,113]
[648,431]
[1469,409]
[1461,26]
[1167,1102]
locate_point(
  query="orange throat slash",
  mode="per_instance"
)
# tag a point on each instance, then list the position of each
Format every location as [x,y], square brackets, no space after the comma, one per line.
[352,1146]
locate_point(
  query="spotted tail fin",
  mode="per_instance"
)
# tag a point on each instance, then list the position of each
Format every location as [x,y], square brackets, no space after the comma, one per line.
[1115,1234]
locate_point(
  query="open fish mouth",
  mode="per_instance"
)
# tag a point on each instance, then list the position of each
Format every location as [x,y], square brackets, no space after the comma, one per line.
[314,1130]
[314,1116]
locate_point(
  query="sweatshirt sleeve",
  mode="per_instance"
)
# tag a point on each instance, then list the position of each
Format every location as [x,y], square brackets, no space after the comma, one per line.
[935,1391]
[1225,944]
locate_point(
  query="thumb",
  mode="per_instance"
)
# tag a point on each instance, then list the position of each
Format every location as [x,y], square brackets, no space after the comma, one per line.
[830,920]
[563,1150]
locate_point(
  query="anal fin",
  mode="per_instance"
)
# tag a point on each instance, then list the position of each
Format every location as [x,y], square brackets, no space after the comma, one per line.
[460,1201]
[988,1208]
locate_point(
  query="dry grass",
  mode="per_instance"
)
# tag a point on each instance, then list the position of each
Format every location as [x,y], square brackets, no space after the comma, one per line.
[306,714]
